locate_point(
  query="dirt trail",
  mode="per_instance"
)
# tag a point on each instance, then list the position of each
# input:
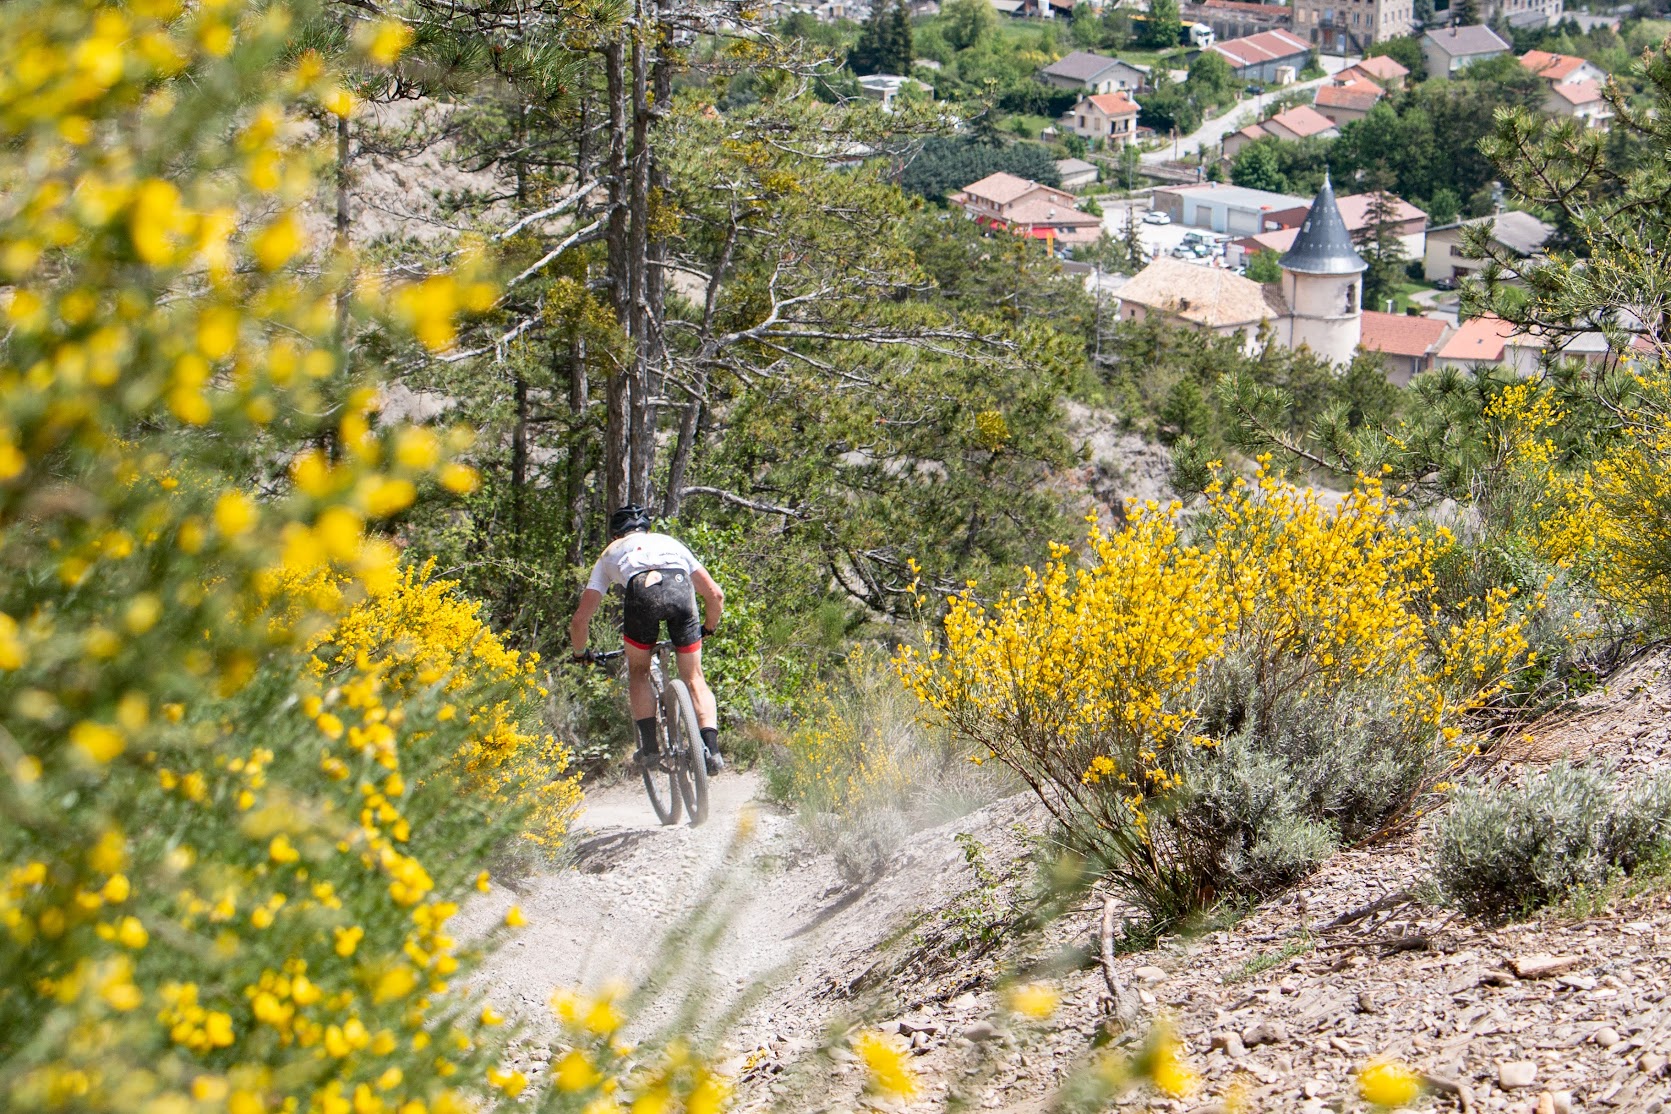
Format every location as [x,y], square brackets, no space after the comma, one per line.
[794,933]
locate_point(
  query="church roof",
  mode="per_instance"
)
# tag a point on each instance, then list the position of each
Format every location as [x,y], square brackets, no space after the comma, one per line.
[1324,247]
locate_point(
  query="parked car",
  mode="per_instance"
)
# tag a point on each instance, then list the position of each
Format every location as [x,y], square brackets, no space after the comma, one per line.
[1444,284]
[1254,90]
[1155,216]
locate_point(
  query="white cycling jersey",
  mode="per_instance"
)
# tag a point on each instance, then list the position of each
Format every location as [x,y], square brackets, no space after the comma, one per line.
[628,556]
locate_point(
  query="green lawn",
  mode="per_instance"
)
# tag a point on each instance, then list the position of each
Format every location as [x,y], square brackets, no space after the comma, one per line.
[1401,301]
[1031,125]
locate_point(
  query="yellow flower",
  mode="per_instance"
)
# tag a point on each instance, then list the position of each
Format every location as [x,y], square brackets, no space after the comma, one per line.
[275,245]
[1034,999]
[886,1070]
[384,497]
[514,917]
[98,742]
[1166,1068]
[156,220]
[281,851]
[388,40]
[575,1072]
[1388,1083]
[460,479]
[235,514]
[338,102]
[512,1083]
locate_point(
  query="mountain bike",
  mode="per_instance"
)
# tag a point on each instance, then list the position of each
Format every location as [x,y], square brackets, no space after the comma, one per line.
[678,777]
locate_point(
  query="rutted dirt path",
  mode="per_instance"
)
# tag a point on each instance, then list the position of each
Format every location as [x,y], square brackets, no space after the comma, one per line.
[788,932]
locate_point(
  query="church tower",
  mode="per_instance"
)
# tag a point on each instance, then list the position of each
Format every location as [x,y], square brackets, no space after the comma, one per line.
[1322,282]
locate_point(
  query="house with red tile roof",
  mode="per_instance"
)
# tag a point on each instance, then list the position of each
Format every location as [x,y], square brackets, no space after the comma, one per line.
[1300,122]
[1241,137]
[1382,70]
[1486,341]
[1560,69]
[1027,209]
[1343,102]
[1104,120]
[1406,343]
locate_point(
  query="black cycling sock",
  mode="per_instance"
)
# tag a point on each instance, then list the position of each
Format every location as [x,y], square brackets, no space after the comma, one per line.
[710,739]
[647,735]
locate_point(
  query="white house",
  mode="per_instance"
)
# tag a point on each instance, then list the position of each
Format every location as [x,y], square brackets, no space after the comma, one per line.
[1582,101]
[1450,50]
[1521,233]
[1106,119]
[1093,73]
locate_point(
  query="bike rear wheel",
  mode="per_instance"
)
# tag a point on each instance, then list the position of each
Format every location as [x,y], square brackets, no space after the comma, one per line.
[663,786]
[682,726]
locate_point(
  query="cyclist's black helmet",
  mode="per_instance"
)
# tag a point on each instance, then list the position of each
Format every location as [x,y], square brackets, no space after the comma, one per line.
[627,519]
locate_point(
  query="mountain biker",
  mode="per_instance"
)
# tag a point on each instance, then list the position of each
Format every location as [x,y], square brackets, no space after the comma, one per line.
[661,580]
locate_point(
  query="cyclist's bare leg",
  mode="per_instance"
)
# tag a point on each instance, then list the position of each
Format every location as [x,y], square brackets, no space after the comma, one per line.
[640,695]
[690,670]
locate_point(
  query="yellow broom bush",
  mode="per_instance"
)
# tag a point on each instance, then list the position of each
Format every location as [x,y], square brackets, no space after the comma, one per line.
[225,877]
[1092,680]
[420,634]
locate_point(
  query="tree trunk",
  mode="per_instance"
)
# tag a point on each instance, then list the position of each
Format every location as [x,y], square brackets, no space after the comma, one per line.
[642,411]
[617,429]
[580,450]
[519,466]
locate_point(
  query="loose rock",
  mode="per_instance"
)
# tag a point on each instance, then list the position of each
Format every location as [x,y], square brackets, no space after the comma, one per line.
[1514,1074]
[1542,966]
[1231,1044]
[1273,1032]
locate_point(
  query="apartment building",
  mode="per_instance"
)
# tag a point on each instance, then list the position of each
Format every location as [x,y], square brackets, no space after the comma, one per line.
[1349,26]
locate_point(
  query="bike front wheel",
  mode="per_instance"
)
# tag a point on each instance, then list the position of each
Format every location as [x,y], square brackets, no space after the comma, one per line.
[686,737]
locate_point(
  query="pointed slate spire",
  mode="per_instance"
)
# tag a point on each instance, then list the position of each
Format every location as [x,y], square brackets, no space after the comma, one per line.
[1324,247]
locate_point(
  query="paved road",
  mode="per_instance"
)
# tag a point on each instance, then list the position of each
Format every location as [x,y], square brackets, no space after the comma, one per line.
[1214,130]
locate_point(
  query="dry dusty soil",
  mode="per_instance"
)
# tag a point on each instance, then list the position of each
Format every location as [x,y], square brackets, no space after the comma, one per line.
[779,957]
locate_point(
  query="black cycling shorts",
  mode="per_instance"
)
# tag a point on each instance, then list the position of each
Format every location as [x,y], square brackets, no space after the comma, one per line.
[658,596]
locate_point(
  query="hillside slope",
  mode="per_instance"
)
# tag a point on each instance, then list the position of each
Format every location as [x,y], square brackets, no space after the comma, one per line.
[1282,1006]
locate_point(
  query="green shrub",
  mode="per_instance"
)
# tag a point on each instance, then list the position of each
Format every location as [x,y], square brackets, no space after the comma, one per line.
[1511,849]
[1293,778]
[864,773]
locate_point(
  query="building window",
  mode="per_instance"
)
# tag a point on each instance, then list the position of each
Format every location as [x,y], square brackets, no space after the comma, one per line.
[1351,297]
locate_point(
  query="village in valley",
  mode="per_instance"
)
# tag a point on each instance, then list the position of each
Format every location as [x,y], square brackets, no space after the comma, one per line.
[1254,169]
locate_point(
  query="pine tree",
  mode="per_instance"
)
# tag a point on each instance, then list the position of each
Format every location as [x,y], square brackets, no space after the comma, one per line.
[1379,244]
[1136,255]
[870,54]
[900,51]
